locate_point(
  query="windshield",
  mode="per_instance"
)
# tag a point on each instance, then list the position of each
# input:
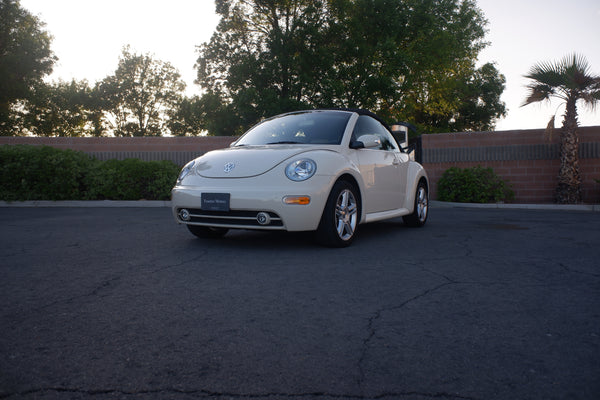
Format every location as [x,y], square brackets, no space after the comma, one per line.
[310,127]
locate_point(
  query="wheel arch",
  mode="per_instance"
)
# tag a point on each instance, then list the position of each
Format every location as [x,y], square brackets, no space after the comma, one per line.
[347,177]
[416,175]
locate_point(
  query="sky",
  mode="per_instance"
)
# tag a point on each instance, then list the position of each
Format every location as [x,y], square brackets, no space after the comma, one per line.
[89,36]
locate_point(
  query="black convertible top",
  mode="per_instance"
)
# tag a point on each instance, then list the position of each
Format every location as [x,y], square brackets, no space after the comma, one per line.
[359,111]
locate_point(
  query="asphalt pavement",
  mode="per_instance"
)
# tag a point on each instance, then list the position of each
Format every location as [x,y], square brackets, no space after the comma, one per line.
[123,303]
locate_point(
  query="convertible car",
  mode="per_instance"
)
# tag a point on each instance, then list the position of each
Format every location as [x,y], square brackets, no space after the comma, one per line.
[326,171]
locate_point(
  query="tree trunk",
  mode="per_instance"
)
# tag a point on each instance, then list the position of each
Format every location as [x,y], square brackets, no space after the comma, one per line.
[568,190]
[5,123]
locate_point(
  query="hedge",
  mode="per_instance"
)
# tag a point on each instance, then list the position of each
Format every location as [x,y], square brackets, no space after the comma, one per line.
[46,173]
[473,185]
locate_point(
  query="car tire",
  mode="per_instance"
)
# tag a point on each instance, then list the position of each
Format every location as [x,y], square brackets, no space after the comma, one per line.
[207,232]
[419,215]
[341,216]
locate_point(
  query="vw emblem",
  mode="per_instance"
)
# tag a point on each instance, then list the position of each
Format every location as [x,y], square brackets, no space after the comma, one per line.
[229,167]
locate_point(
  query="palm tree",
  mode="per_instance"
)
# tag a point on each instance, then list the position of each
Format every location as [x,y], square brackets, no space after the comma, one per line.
[568,80]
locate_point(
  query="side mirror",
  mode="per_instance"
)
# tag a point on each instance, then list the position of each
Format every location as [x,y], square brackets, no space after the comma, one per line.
[370,141]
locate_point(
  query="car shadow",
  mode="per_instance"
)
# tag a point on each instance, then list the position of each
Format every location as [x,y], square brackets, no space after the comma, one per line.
[242,239]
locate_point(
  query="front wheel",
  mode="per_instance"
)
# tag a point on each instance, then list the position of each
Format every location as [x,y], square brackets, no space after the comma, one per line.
[421,207]
[341,216]
[207,231]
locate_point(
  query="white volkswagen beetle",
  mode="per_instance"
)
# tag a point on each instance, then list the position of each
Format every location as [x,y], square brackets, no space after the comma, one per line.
[322,170]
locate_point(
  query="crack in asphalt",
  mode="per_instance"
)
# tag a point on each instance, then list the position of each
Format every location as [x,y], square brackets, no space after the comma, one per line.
[105,284]
[377,315]
[572,270]
[372,331]
[448,281]
[266,395]
[180,264]
[214,394]
[20,317]
[465,244]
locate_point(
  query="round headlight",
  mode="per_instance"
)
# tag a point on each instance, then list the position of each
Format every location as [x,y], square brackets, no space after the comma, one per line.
[301,170]
[185,171]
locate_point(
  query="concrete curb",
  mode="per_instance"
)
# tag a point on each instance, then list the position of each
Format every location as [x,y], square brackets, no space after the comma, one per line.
[88,203]
[166,203]
[556,207]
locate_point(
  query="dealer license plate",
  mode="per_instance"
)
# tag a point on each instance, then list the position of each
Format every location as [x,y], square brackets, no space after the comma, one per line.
[215,201]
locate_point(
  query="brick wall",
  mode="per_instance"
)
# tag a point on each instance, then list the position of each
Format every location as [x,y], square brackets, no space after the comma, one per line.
[528,159]
[180,150]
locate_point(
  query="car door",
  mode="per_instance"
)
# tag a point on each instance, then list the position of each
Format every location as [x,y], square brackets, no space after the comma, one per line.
[383,168]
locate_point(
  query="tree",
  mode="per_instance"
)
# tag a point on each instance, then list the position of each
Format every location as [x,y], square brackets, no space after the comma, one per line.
[404,59]
[61,109]
[262,58]
[464,101]
[25,58]
[569,80]
[414,60]
[187,119]
[481,106]
[141,95]
[200,115]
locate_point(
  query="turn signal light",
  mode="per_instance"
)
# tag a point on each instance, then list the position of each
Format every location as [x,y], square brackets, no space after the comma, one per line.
[301,200]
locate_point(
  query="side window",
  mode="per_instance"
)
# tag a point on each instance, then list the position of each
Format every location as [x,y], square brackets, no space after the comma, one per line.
[387,140]
[370,126]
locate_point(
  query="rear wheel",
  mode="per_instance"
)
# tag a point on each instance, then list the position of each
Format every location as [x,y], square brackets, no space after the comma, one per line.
[421,207]
[207,231]
[341,215]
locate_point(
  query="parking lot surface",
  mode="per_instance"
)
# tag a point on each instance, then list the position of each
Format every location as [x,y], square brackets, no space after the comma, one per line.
[111,303]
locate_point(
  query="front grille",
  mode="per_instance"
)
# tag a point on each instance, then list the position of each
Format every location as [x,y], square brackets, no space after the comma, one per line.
[234,218]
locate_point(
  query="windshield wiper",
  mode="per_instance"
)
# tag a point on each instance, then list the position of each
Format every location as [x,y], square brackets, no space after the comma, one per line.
[285,142]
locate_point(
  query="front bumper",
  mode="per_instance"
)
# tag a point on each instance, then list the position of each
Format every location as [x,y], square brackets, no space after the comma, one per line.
[252,200]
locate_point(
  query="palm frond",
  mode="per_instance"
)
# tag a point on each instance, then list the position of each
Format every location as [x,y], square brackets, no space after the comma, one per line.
[575,63]
[538,92]
[568,78]
[591,99]
[545,73]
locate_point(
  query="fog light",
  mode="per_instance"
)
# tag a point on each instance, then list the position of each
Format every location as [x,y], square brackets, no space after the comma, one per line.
[263,218]
[184,214]
[302,200]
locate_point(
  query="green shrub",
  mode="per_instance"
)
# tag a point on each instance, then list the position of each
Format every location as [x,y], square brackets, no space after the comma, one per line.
[473,185]
[46,173]
[42,173]
[132,179]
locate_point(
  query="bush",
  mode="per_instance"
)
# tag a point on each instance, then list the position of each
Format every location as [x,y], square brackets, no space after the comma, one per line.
[42,173]
[473,185]
[46,173]
[132,179]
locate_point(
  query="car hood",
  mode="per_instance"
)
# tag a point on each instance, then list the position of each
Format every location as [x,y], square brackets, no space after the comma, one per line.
[245,162]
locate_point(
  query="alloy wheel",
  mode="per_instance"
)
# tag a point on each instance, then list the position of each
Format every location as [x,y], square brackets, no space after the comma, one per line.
[346,214]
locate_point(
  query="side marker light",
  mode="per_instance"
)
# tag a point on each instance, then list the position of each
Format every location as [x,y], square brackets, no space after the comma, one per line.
[300,200]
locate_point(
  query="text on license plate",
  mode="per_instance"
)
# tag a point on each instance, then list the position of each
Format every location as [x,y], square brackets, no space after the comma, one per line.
[215,201]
